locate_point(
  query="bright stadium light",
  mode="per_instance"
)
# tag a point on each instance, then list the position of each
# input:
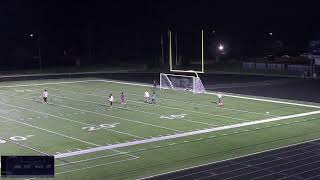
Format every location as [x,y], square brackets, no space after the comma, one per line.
[270,33]
[31,35]
[221,47]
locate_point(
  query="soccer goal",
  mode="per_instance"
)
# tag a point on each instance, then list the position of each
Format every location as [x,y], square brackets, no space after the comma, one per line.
[182,82]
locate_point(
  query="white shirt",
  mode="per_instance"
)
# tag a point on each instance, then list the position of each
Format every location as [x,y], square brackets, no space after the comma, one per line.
[45,94]
[219,96]
[111,99]
[146,94]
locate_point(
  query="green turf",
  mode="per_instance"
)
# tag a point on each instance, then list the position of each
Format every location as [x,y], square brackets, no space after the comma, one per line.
[74,109]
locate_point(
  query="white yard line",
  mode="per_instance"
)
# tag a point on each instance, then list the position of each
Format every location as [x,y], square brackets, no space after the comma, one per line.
[168,107]
[98,165]
[25,146]
[56,133]
[67,119]
[156,139]
[74,99]
[102,114]
[268,100]
[90,159]
[205,105]
[41,84]
[230,95]
[125,119]
[148,85]
[49,131]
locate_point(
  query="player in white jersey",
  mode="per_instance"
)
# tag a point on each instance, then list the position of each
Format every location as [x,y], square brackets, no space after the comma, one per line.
[220,102]
[45,96]
[111,99]
[146,96]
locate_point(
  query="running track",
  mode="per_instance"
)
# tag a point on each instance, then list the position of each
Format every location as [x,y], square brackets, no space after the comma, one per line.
[295,162]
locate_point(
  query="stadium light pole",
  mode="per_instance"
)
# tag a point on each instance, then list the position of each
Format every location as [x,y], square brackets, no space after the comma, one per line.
[220,50]
[32,35]
[221,47]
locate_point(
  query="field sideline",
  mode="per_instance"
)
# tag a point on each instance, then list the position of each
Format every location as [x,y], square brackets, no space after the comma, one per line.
[86,136]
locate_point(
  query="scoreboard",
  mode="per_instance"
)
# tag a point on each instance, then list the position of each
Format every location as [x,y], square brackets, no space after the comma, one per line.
[27,166]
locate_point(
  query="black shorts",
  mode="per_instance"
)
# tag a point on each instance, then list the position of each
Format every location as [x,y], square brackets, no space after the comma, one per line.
[45,99]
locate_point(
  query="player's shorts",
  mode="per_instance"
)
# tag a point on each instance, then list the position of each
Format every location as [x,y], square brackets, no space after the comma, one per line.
[45,99]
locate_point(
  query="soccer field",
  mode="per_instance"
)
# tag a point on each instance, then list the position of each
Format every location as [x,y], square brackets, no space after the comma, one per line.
[90,140]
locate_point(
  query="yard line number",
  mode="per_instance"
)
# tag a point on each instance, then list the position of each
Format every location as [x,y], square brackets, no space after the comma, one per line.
[178,116]
[16,138]
[101,126]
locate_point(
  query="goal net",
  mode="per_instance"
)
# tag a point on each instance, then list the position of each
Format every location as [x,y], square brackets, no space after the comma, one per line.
[181,82]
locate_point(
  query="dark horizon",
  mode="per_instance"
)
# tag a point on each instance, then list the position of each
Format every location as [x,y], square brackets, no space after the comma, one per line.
[132,30]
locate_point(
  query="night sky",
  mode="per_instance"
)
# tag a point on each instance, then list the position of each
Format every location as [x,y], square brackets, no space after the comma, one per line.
[131,29]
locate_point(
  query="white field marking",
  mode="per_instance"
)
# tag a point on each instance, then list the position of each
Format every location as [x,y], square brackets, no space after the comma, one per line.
[267,100]
[148,85]
[128,134]
[89,159]
[25,146]
[98,165]
[230,95]
[9,119]
[211,106]
[247,155]
[67,119]
[41,84]
[120,107]
[179,135]
[199,122]
[125,119]
[168,107]
[52,132]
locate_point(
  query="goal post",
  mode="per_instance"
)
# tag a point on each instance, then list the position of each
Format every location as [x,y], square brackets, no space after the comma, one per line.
[182,82]
[173,53]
